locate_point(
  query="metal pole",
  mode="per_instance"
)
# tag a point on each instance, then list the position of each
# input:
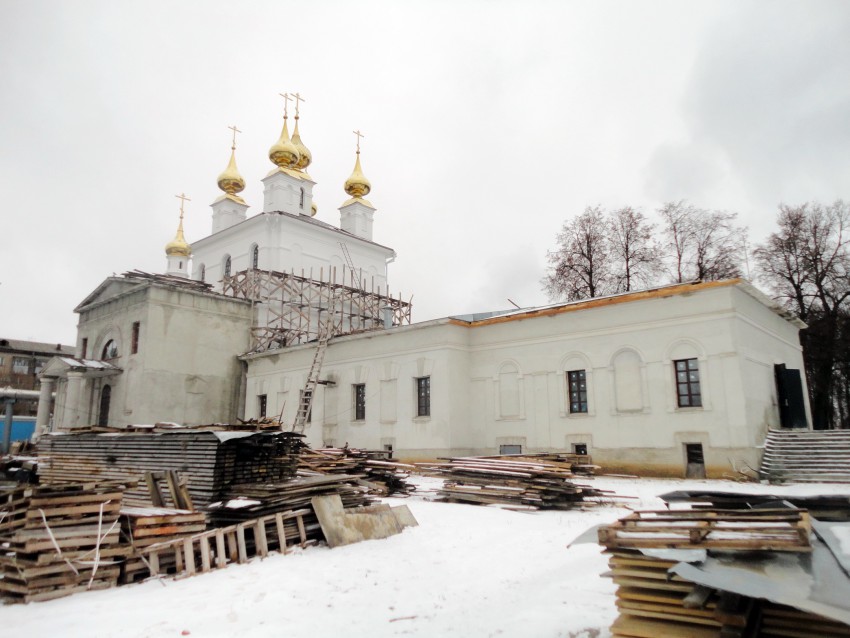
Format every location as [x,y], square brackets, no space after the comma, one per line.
[7,430]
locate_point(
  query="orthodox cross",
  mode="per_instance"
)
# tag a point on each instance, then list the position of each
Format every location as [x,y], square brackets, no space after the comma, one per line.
[183,199]
[359,135]
[298,99]
[235,131]
[286,97]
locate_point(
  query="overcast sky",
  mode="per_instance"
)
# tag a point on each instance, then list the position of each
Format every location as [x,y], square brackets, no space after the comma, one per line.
[487,125]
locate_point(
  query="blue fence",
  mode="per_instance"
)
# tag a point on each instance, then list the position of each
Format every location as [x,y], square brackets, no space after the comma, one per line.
[22,427]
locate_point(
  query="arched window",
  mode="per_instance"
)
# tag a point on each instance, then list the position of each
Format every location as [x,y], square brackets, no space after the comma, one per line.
[227,266]
[302,198]
[110,350]
[202,274]
[255,257]
[105,398]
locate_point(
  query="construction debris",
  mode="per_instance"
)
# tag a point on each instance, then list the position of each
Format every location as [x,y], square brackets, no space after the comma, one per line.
[503,481]
[710,573]
[344,527]
[382,476]
[59,540]
[211,461]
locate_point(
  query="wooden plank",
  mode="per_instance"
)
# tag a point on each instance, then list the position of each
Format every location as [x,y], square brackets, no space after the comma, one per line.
[189,556]
[205,553]
[220,556]
[240,540]
[281,532]
[260,539]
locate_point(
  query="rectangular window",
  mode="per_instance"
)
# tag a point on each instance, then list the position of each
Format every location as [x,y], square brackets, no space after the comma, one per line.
[577,383]
[20,365]
[134,340]
[423,396]
[359,401]
[510,449]
[85,348]
[262,402]
[687,383]
[580,448]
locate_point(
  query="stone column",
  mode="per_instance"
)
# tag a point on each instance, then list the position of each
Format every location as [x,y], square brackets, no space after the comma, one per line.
[73,416]
[45,407]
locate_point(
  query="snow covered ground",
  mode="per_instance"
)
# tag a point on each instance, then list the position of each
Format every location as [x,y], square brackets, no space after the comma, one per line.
[465,571]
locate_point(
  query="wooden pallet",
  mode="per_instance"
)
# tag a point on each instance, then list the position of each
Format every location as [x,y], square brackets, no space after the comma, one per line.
[218,548]
[762,530]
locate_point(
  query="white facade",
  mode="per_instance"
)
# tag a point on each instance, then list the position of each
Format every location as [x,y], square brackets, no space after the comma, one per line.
[503,380]
[166,353]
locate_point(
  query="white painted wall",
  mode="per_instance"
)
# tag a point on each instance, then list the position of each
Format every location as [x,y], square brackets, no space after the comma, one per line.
[186,368]
[504,381]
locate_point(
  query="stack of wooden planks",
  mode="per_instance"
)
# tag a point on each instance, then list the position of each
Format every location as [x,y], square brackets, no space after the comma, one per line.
[211,461]
[146,526]
[503,481]
[581,464]
[58,540]
[382,476]
[731,530]
[655,602]
[254,500]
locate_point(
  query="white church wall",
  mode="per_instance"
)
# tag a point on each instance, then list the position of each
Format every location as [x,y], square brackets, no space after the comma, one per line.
[287,244]
[185,367]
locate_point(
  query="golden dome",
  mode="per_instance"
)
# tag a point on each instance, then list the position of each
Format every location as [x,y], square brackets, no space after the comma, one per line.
[284,153]
[313,209]
[230,181]
[178,247]
[357,185]
[304,154]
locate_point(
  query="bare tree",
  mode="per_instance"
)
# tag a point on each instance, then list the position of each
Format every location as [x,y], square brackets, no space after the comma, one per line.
[635,255]
[806,264]
[702,244]
[580,266]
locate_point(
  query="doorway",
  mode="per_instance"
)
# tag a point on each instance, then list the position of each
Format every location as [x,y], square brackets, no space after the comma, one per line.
[694,461]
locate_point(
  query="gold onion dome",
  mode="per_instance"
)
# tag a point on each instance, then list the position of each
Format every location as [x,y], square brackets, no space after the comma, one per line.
[284,153]
[313,209]
[304,154]
[178,247]
[230,181]
[357,185]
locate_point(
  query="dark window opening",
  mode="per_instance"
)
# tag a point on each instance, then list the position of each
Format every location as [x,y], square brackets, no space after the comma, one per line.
[105,399]
[510,449]
[262,402]
[227,266]
[255,257]
[110,350]
[310,409]
[577,382]
[85,348]
[203,273]
[423,396]
[301,204]
[359,401]
[134,340]
[388,448]
[688,389]
[580,448]
[695,461]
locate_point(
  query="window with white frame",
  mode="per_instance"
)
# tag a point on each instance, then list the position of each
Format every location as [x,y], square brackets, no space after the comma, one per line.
[577,385]
[423,396]
[688,391]
[359,392]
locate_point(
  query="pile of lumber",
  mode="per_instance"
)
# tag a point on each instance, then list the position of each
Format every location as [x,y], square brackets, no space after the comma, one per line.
[382,476]
[145,526]
[581,464]
[255,500]
[730,530]
[57,540]
[211,461]
[502,481]
[653,600]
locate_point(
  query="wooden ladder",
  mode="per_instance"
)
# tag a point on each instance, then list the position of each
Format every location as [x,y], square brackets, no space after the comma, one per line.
[305,402]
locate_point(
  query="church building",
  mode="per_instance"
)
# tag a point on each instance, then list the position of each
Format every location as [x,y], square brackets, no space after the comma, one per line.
[269,317]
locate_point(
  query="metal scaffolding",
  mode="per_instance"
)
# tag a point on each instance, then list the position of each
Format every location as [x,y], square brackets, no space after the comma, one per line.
[292,309]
